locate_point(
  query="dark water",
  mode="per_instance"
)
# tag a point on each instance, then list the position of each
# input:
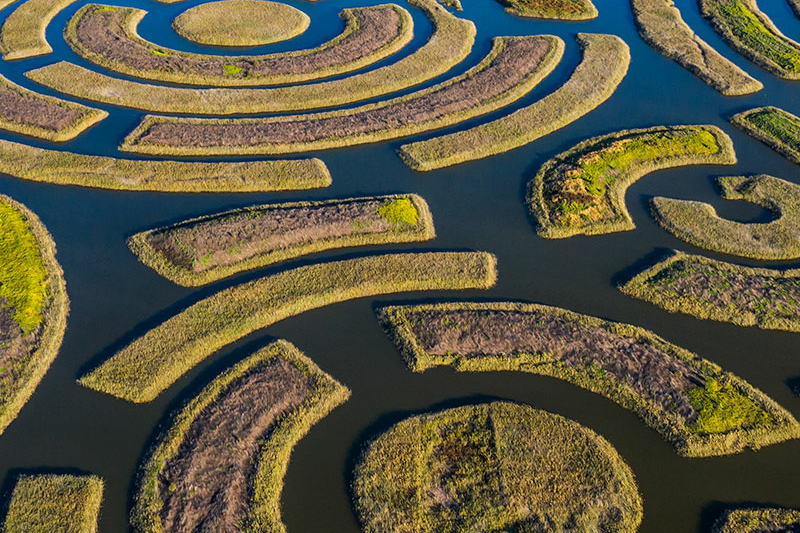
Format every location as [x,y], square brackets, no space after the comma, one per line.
[475,206]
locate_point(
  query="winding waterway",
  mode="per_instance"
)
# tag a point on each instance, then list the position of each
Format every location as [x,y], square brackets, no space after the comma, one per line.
[475,206]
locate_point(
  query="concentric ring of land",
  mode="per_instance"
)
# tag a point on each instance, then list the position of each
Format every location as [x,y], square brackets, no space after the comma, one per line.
[220,466]
[450,42]
[604,65]
[240,23]
[512,68]
[107,36]
[491,468]
[209,248]
[695,405]
[33,306]
[46,117]
[53,166]
[148,365]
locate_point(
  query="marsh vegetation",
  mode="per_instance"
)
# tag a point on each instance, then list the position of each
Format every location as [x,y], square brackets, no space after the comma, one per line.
[774,127]
[757,520]
[695,405]
[494,468]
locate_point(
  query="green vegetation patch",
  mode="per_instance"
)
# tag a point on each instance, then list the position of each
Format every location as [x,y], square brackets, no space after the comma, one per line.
[660,24]
[552,9]
[494,468]
[240,23]
[205,249]
[695,405]
[66,168]
[758,520]
[513,67]
[604,65]
[33,306]
[716,290]
[151,363]
[109,39]
[582,190]
[751,33]
[23,32]
[450,43]
[220,466]
[54,504]
[774,127]
[699,224]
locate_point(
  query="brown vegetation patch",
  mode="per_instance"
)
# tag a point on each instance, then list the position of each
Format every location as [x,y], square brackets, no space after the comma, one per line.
[41,113]
[239,235]
[15,345]
[513,62]
[646,369]
[108,36]
[205,486]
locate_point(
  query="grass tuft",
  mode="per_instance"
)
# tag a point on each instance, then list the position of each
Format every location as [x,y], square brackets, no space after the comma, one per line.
[757,520]
[552,9]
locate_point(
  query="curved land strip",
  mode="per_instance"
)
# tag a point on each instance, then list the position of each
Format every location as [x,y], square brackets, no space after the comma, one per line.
[698,223]
[605,62]
[23,32]
[205,249]
[151,363]
[494,467]
[449,44]
[107,37]
[66,168]
[660,24]
[582,190]
[54,503]
[774,127]
[551,9]
[758,521]
[751,33]
[691,402]
[512,68]
[240,23]
[42,116]
[725,292]
[220,467]
[33,306]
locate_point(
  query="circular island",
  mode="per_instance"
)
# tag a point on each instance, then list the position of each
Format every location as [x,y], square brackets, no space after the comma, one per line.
[240,23]
[494,467]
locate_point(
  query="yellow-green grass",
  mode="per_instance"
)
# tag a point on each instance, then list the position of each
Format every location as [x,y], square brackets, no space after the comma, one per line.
[698,223]
[582,190]
[491,468]
[604,65]
[23,32]
[32,282]
[552,9]
[408,217]
[774,127]
[751,33]
[66,168]
[715,290]
[275,448]
[757,520]
[235,68]
[730,414]
[449,44]
[240,23]
[395,117]
[50,503]
[660,24]
[23,110]
[151,363]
